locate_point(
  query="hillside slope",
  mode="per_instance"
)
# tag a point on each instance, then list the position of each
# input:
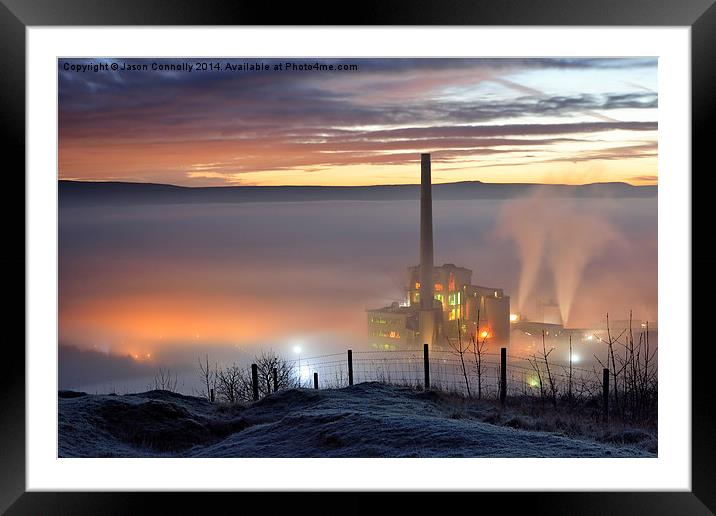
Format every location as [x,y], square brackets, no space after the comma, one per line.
[366,420]
[87,193]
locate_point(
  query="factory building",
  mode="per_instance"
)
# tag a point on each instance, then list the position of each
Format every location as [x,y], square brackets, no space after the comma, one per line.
[439,298]
[586,342]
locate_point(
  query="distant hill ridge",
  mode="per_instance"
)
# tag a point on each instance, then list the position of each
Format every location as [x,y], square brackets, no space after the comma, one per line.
[125,193]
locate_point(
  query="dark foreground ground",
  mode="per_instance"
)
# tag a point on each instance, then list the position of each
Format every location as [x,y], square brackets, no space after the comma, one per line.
[366,420]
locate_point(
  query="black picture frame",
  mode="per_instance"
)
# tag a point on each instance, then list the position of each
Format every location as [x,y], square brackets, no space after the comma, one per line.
[17,15]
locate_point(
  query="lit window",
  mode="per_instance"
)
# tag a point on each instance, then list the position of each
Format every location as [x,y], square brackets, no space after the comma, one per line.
[438,287]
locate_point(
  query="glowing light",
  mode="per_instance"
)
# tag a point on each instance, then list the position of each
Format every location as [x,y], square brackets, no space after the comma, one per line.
[297,349]
[484,334]
[575,358]
[590,337]
[514,317]
[305,372]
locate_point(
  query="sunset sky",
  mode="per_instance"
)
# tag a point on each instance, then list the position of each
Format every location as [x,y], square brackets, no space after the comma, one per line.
[494,120]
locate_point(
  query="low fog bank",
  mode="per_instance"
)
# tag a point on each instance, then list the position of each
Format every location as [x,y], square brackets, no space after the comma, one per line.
[102,371]
[161,285]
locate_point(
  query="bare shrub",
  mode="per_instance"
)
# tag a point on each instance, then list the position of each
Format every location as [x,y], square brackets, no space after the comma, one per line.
[164,380]
[286,377]
[233,384]
[459,348]
[639,375]
[208,377]
[479,348]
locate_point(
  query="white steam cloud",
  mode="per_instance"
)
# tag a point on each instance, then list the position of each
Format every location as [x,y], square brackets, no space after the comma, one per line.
[558,231]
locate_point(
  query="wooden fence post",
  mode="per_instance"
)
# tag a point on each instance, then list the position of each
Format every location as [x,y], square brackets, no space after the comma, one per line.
[255,380]
[426,366]
[503,375]
[350,367]
[275,380]
[605,394]
[315,380]
[212,395]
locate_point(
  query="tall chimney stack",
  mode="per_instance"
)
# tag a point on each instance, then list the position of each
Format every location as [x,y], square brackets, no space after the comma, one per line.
[427,314]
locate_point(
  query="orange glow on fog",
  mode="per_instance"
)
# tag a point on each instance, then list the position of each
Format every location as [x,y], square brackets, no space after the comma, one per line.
[142,323]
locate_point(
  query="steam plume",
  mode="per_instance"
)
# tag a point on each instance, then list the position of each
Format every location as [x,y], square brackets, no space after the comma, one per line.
[559,232]
[516,222]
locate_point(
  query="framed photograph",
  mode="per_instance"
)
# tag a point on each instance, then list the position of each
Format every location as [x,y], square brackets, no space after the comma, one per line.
[445,249]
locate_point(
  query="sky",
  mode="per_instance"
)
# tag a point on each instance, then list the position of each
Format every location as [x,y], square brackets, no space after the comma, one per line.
[535,120]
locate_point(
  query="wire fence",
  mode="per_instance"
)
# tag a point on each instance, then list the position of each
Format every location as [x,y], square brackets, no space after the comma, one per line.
[467,375]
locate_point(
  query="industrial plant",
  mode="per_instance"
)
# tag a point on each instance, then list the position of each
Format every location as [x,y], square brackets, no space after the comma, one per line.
[440,301]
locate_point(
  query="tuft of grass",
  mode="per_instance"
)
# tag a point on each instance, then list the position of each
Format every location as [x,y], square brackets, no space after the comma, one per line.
[578,421]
